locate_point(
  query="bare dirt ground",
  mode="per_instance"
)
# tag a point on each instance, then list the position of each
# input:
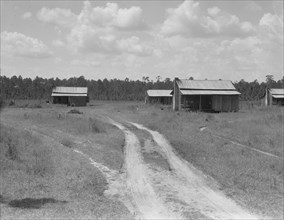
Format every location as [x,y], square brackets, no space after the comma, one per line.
[147,202]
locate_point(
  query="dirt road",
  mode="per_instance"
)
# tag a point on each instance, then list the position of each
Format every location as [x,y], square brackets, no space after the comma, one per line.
[148,204]
[191,187]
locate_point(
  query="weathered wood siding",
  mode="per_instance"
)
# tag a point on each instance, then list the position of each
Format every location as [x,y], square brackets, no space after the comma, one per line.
[77,101]
[225,103]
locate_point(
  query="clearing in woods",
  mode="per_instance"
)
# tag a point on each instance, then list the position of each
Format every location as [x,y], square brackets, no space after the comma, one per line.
[179,191]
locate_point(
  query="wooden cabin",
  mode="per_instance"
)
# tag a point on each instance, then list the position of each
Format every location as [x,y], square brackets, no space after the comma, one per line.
[274,97]
[163,97]
[70,96]
[205,95]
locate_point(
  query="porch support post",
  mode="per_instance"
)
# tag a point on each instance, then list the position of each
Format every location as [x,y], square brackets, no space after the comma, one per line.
[200,103]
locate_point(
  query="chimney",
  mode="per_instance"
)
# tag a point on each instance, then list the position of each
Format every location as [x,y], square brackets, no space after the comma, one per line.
[176,95]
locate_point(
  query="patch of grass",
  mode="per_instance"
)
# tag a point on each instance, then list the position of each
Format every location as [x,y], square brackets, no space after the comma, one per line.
[33,104]
[22,151]
[97,126]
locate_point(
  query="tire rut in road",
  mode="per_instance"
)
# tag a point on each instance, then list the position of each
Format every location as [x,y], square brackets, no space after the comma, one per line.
[192,189]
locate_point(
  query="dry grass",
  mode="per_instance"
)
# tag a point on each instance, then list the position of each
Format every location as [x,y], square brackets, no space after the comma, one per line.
[252,178]
[22,151]
[50,181]
[105,142]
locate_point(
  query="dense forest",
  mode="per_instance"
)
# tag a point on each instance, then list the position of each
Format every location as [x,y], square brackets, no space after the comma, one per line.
[17,87]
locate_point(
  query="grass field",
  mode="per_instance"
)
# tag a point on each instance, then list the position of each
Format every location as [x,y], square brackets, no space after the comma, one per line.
[42,177]
[253,179]
[208,141]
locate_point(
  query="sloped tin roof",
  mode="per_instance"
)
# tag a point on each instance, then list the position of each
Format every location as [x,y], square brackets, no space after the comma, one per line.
[205,84]
[69,91]
[278,96]
[69,94]
[208,92]
[159,93]
[277,91]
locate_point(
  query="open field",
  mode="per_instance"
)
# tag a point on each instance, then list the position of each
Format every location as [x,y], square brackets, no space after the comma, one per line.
[43,176]
[49,151]
[253,179]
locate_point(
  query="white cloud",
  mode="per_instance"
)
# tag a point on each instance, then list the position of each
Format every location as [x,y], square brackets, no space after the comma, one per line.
[58,16]
[100,29]
[272,24]
[133,45]
[189,19]
[58,43]
[18,44]
[112,16]
[129,18]
[27,15]
[214,11]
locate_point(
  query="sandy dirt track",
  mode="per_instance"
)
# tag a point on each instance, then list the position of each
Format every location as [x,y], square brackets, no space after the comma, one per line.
[192,189]
[148,204]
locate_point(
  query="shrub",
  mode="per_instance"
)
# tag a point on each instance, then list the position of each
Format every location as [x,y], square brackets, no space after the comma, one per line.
[12,152]
[67,143]
[11,103]
[74,111]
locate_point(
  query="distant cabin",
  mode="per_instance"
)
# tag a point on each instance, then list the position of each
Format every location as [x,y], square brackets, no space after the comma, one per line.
[159,96]
[205,95]
[71,96]
[274,97]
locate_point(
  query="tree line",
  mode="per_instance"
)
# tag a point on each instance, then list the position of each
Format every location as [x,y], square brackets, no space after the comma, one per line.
[17,87]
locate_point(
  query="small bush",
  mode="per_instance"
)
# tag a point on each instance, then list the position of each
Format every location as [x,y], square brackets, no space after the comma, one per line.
[11,103]
[74,111]
[67,143]
[12,152]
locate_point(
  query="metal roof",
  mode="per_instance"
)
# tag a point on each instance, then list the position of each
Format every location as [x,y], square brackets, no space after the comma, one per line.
[205,84]
[278,96]
[69,91]
[208,92]
[277,91]
[69,94]
[62,89]
[159,93]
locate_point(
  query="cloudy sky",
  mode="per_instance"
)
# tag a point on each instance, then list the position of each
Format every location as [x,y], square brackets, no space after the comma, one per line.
[100,39]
